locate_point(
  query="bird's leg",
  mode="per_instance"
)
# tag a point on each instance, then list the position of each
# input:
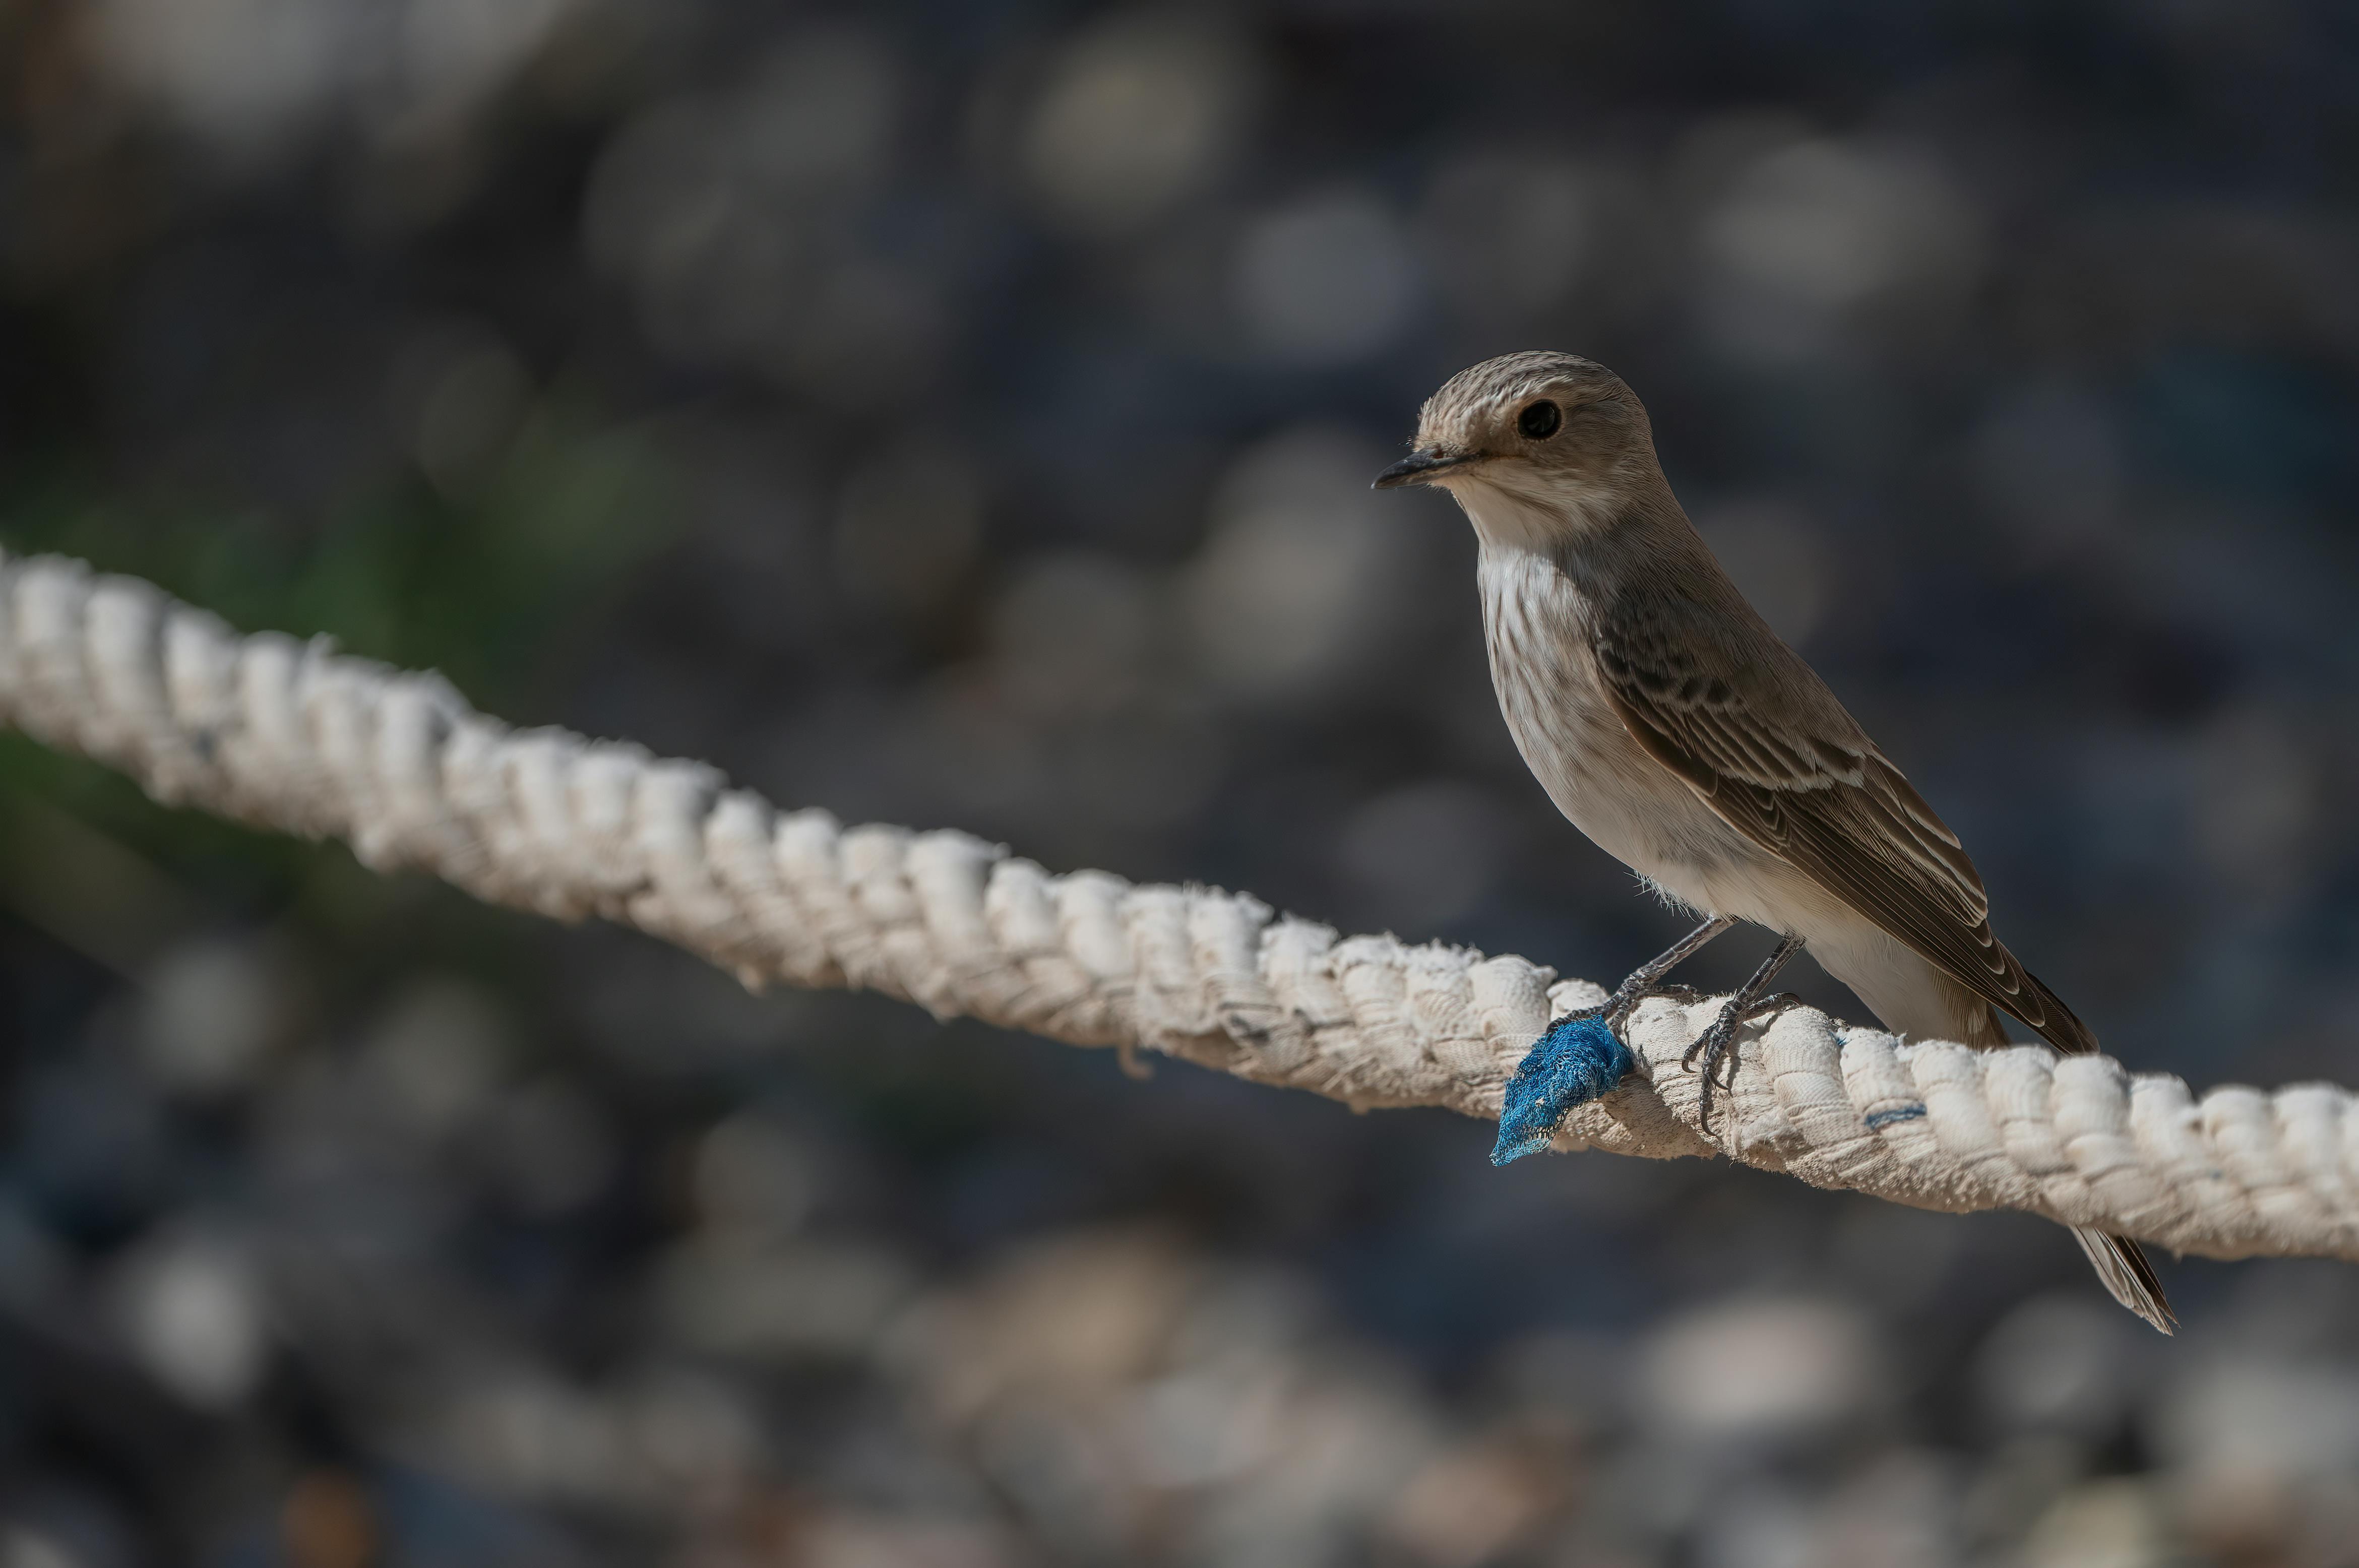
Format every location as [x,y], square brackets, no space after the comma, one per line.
[1714,1043]
[1641,982]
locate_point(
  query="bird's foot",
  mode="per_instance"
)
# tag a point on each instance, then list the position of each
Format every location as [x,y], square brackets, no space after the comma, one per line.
[1716,1043]
[1615,1011]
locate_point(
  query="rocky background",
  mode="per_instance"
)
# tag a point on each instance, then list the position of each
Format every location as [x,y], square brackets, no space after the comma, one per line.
[961,414]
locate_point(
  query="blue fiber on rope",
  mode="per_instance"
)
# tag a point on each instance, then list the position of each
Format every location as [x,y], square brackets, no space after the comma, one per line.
[1579,1060]
[1898,1114]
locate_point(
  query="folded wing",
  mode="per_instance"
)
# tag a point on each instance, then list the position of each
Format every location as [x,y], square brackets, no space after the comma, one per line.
[1767,746]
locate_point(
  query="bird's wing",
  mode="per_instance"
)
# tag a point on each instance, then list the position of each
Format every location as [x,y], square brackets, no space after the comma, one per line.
[1759,737]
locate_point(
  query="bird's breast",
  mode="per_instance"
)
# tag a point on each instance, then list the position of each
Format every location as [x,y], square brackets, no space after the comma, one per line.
[1536,628]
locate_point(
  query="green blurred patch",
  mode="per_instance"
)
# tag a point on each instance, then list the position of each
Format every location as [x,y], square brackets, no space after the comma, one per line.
[88,859]
[497,586]
[494,587]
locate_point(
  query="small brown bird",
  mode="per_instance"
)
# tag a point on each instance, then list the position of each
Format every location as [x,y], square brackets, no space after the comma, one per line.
[1672,726]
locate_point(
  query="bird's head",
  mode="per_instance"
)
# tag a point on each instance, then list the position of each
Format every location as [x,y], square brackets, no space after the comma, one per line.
[1538,443]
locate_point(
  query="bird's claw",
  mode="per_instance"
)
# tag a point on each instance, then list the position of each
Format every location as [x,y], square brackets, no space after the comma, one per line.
[1716,1043]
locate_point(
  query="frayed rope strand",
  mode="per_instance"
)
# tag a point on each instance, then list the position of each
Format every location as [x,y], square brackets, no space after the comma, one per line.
[1578,1060]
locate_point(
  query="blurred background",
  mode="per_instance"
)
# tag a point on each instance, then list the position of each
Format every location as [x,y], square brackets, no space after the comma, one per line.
[961,414]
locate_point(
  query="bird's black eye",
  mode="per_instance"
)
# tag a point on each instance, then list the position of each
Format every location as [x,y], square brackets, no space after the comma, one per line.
[1540,421]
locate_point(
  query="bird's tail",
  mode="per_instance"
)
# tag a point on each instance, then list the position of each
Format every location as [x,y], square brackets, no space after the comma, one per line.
[2121,1264]
[2118,1261]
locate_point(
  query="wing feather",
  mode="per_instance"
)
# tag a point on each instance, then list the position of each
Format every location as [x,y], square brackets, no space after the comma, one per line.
[1770,750]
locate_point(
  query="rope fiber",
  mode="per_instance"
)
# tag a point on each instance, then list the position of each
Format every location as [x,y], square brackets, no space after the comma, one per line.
[292,736]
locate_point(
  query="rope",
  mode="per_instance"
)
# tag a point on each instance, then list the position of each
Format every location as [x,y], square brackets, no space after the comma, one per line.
[292,736]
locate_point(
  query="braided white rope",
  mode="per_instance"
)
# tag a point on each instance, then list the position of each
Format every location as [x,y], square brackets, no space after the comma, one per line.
[289,736]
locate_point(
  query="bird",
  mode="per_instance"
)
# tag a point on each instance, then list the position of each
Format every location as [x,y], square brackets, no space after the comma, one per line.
[1681,734]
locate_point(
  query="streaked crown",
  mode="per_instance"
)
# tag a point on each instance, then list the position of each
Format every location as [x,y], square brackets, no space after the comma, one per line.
[1551,428]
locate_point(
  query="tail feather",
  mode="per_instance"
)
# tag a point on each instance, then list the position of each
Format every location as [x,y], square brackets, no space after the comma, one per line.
[2121,1265]
[2120,1262]
[2044,1010]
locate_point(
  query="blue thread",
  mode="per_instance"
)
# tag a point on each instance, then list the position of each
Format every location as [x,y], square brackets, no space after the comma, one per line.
[1579,1060]
[1898,1114]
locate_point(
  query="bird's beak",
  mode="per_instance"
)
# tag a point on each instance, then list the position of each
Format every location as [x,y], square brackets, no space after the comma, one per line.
[1418,467]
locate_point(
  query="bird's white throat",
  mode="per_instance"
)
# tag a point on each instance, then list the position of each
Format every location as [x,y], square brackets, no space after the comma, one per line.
[1508,519]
